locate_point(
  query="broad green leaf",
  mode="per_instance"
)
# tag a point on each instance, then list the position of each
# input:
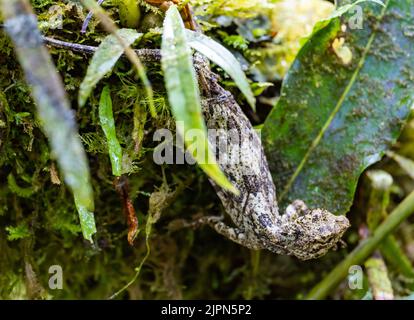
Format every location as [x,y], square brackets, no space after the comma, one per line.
[103,60]
[106,118]
[334,120]
[223,58]
[184,95]
[53,108]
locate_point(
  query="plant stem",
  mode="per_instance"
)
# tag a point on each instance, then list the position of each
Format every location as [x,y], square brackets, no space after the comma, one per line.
[364,249]
[148,230]
[88,18]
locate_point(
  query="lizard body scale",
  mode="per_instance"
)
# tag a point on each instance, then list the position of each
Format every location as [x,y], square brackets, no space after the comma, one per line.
[301,232]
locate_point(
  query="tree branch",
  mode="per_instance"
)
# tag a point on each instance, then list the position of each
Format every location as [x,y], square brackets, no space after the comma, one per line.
[146,55]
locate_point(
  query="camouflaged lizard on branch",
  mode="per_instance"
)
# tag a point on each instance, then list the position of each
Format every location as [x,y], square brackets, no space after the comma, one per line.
[302,232]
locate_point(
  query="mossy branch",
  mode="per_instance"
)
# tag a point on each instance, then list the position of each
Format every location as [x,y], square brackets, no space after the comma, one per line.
[145,55]
[364,249]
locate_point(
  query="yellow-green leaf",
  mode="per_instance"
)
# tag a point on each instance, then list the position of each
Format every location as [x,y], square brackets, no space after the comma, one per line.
[405,163]
[106,118]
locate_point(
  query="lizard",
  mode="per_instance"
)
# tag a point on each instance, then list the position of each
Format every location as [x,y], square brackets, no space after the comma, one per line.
[301,232]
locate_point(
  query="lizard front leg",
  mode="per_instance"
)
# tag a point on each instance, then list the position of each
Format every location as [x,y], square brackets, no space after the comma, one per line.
[237,235]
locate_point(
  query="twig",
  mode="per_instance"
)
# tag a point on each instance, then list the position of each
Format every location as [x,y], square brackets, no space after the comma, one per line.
[88,19]
[135,56]
[146,55]
[69,45]
[364,249]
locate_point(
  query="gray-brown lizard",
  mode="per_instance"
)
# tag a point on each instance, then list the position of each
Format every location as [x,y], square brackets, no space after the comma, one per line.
[301,232]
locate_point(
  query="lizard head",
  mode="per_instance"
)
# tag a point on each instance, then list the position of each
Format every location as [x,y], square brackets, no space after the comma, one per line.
[311,234]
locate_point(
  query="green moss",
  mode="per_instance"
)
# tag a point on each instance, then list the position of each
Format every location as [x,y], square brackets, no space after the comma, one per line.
[38,219]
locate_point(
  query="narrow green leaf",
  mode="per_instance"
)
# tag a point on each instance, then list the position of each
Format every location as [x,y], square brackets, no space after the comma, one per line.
[86,218]
[405,163]
[184,96]
[104,59]
[396,257]
[335,119]
[345,8]
[223,58]
[106,118]
[379,200]
[53,108]
[132,56]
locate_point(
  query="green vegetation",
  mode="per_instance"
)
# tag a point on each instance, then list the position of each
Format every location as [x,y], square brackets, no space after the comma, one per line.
[334,105]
